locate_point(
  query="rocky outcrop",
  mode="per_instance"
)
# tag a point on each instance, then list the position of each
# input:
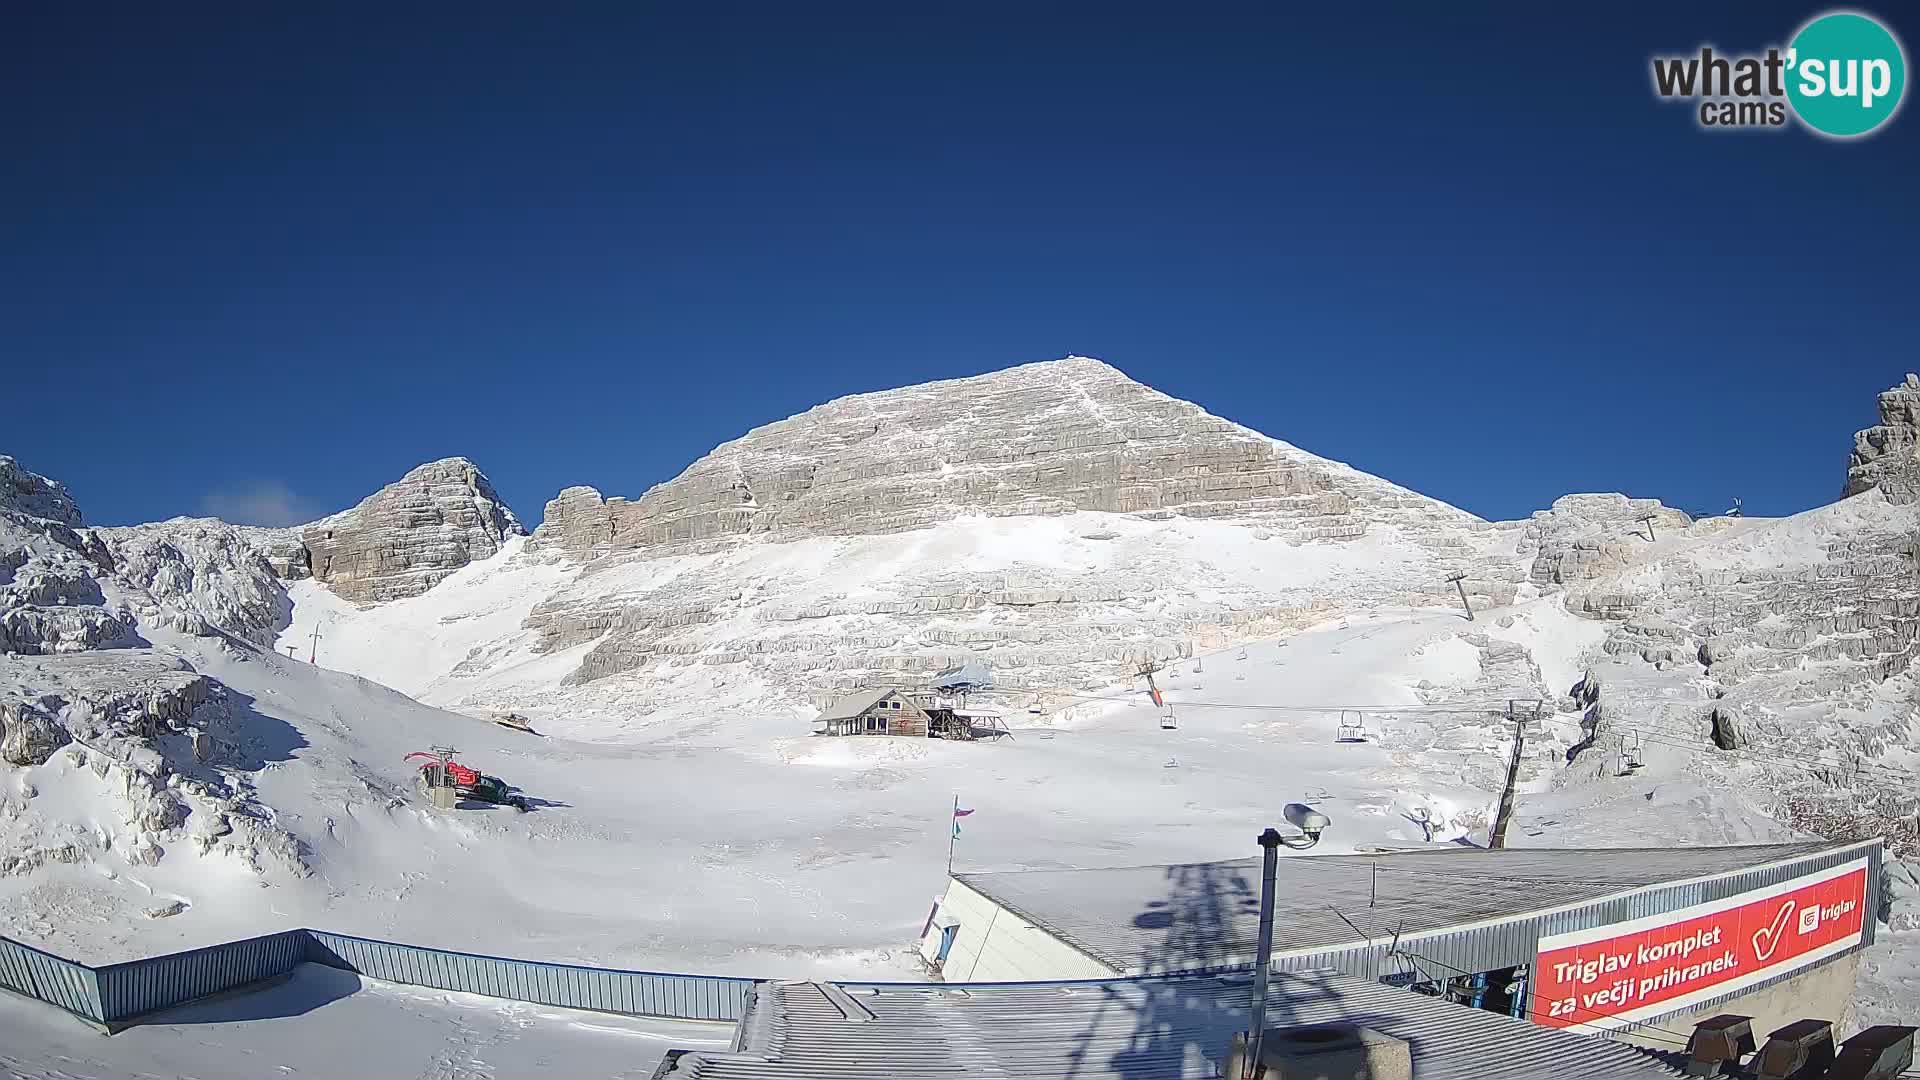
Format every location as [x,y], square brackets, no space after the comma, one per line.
[28,733]
[206,568]
[33,495]
[281,549]
[1585,537]
[1040,439]
[51,598]
[176,748]
[1887,456]
[408,536]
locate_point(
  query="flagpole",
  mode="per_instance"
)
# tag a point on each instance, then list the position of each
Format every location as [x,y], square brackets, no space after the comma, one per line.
[953,831]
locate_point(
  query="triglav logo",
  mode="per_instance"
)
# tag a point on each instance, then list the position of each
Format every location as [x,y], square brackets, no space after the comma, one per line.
[1843,75]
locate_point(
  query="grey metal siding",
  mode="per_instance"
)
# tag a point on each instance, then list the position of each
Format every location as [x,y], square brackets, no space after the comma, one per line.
[160,982]
[1165,1028]
[1517,941]
[49,978]
[636,993]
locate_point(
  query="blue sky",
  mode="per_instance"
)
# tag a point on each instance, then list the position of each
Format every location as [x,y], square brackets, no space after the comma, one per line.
[261,263]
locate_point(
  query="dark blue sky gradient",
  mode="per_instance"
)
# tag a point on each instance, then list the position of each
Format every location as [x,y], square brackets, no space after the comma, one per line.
[250,257]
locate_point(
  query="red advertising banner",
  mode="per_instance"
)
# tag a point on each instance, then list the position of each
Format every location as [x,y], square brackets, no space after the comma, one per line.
[1609,976]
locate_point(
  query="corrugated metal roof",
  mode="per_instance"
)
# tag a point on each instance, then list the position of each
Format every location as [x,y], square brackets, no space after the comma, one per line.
[1204,916]
[1147,1029]
[849,707]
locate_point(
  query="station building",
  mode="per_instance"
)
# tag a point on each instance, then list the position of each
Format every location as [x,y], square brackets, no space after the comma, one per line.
[1638,943]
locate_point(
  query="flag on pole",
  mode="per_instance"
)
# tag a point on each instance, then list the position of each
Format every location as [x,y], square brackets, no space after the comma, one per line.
[958,813]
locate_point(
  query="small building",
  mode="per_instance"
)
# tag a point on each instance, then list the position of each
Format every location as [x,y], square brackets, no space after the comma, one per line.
[886,711]
[1633,943]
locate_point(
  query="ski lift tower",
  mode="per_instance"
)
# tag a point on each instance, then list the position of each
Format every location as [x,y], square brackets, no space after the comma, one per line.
[1148,669]
[1458,580]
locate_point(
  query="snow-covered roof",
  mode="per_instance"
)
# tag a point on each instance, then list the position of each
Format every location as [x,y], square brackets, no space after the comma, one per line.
[973,674]
[852,706]
[1205,916]
[1171,1028]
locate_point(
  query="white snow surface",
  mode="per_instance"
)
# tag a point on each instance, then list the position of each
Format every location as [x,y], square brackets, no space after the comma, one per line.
[684,819]
[740,845]
[323,1022]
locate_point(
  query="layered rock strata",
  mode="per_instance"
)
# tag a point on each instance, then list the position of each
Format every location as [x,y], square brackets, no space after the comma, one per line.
[408,536]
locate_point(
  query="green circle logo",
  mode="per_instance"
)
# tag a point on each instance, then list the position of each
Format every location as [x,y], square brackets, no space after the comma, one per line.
[1846,74]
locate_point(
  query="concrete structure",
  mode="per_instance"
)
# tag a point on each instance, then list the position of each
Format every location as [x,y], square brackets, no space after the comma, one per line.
[1620,940]
[886,711]
[1180,1027]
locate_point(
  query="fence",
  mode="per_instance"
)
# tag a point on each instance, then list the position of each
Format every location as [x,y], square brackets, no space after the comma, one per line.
[117,995]
[49,978]
[634,993]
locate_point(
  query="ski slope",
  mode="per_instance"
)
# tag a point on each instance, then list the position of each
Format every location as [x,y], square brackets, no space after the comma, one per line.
[744,846]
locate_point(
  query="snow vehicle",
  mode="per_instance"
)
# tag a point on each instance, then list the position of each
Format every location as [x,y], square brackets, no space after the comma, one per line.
[514,721]
[468,783]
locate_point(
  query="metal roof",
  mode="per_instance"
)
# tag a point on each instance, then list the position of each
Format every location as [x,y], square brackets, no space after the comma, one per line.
[1205,916]
[852,706]
[973,674]
[1146,1029]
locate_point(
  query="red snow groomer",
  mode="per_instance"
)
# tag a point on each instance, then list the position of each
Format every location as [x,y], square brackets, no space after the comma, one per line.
[469,783]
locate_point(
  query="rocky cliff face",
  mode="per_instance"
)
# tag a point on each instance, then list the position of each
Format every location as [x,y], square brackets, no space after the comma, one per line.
[196,574]
[1050,438]
[32,495]
[1583,537]
[408,536]
[77,675]
[51,599]
[1887,456]
[1785,648]
[1052,519]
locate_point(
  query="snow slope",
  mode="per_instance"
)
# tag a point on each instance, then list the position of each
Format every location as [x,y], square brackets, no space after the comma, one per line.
[685,820]
[750,629]
[743,846]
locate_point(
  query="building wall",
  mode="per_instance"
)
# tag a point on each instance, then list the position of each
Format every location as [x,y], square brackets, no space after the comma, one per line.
[1824,992]
[908,719]
[1012,949]
[996,945]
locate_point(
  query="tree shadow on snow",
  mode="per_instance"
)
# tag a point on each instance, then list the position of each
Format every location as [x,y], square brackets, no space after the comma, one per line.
[1185,1026]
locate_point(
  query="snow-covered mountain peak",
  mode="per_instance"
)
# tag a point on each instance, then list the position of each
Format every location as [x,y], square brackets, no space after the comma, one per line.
[403,539]
[1060,437]
[29,493]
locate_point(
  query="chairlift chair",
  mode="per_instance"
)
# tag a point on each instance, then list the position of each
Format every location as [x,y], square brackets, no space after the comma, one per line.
[1631,750]
[1352,727]
[1167,723]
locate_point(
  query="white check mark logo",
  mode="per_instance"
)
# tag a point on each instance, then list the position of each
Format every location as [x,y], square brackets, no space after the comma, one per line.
[1767,938]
